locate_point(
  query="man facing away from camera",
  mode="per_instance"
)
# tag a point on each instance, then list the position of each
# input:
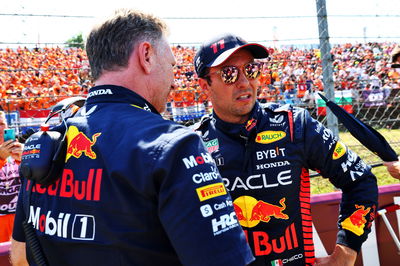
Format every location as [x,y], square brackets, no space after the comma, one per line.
[264,154]
[135,189]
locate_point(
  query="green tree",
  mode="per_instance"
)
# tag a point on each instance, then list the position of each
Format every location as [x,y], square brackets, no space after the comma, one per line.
[76,41]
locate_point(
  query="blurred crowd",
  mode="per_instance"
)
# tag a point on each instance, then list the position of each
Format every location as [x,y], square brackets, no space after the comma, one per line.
[293,75]
[38,78]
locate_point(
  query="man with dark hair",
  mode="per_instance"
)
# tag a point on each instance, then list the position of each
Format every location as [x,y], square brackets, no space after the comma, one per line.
[135,189]
[263,154]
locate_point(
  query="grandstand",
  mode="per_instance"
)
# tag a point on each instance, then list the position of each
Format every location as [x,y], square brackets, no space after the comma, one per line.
[32,80]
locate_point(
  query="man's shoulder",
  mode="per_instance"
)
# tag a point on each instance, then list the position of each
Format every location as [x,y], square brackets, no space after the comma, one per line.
[163,131]
[277,107]
[273,109]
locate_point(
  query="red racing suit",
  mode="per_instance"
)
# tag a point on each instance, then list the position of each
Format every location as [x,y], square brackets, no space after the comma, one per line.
[265,165]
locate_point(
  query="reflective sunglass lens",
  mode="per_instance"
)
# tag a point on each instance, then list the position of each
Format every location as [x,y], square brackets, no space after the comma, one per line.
[229,74]
[252,70]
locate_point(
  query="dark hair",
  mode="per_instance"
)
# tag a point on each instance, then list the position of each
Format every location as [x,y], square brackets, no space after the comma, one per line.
[206,76]
[110,44]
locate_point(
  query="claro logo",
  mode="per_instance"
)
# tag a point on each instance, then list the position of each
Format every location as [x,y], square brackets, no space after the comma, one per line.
[269,136]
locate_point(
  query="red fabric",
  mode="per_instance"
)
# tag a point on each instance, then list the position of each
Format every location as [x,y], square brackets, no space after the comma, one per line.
[33,113]
[6,227]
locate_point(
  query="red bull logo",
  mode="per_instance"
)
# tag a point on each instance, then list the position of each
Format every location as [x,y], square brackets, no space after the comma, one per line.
[263,244]
[356,221]
[79,143]
[250,212]
[251,124]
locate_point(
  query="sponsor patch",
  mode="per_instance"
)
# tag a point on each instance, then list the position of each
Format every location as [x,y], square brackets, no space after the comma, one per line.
[192,161]
[211,191]
[206,210]
[265,244]
[269,136]
[79,143]
[100,92]
[251,124]
[250,212]
[339,151]
[270,154]
[204,177]
[224,223]
[63,225]
[31,151]
[212,145]
[259,181]
[356,221]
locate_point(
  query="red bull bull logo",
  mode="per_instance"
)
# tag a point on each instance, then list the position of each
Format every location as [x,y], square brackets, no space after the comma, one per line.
[79,143]
[356,221]
[251,124]
[250,212]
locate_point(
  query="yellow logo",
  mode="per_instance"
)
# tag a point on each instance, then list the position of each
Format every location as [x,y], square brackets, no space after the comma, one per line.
[250,212]
[211,191]
[356,221]
[340,150]
[269,136]
[79,143]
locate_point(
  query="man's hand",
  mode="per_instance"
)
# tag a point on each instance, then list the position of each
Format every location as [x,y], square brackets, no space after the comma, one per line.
[18,254]
[341,256]
[393,168]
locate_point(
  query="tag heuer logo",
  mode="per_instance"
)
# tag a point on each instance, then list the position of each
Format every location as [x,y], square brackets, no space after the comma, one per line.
[212,145]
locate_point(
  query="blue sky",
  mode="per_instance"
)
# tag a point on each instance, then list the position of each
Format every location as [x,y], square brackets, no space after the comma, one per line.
[348,19]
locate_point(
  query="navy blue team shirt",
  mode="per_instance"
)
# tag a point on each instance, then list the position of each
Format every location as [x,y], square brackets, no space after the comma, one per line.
[135,190]
[265,166]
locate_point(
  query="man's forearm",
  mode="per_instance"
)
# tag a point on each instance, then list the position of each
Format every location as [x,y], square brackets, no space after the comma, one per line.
[18,253]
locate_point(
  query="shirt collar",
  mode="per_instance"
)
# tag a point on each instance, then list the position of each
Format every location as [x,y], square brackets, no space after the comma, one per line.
[118,94]
[239,129]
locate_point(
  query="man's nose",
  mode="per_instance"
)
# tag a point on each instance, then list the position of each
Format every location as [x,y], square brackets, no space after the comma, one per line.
[242,81]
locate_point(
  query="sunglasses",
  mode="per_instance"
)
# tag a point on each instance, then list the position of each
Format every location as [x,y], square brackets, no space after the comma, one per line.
[230,74]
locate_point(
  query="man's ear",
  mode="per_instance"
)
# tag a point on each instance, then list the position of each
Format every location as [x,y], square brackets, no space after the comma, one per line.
[145,53]
[204,86]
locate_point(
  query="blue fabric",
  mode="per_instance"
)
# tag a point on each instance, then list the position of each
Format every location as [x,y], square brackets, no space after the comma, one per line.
[133,192]
[264,164]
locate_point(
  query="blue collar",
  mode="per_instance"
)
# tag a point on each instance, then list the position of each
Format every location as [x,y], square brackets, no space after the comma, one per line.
[118,94]
[244,129]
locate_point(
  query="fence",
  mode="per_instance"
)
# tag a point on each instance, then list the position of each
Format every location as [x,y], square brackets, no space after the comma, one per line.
[380,108]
